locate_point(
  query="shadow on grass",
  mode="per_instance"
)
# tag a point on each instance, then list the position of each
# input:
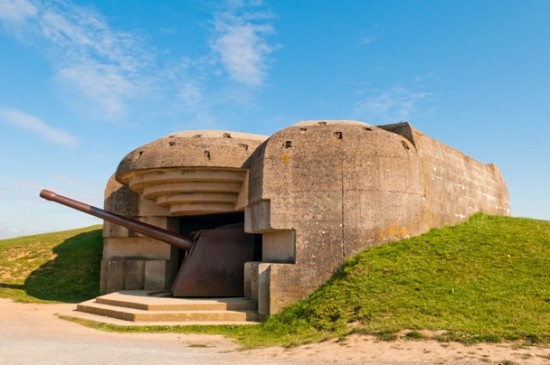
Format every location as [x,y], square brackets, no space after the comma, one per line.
[73,276]
[12,286]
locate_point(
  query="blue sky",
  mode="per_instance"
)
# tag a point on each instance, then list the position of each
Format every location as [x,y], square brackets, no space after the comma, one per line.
[82,83]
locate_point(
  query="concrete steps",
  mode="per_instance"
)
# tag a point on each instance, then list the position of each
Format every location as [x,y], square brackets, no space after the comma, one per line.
[146,307]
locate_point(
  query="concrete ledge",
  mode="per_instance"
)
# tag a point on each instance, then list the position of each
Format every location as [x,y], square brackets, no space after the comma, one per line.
[140,307]
[137,315]
[140,299]
[97,318]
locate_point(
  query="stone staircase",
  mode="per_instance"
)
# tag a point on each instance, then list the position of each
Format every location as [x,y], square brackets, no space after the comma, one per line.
[150,307]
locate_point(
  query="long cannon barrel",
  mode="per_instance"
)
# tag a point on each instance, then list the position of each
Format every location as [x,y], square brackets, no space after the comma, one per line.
[149,230]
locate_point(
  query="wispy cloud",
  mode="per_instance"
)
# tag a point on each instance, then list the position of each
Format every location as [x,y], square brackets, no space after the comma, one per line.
[35,125]
[188,89]
[104,85]
[241,45]
[16,10]
[395,104]
[104,65]
[366,39]
[108,72]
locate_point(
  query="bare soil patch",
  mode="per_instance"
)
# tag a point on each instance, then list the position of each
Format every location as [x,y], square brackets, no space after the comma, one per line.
[357,349]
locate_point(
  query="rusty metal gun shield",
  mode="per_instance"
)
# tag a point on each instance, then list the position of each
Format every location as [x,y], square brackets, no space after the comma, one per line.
[214,267]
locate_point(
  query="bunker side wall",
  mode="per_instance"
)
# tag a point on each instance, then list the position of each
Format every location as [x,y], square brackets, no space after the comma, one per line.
[457,186]
[340,187]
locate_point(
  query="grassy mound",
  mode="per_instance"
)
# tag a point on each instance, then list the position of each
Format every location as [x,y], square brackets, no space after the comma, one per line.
[52,267]
[487,279]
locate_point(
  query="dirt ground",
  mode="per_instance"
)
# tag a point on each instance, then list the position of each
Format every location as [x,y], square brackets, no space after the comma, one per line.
[31,333]
[367,350]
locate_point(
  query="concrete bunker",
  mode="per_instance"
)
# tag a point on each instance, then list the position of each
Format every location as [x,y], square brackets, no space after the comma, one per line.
[192,183]
[308,197]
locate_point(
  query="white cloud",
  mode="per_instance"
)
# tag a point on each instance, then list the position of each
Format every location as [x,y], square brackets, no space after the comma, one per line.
[240,44]
[393,105]
[104,65]
[35,125]
[16,10]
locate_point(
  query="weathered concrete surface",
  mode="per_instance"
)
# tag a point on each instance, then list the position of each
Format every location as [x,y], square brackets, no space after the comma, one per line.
[185,173]
[190,173]
[131,260]
[142,307]
[343,186]
[318,192]
[456,185]
[191,149]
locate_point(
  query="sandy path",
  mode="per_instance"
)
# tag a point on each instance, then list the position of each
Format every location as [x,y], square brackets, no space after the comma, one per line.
[366,350]
[32,334]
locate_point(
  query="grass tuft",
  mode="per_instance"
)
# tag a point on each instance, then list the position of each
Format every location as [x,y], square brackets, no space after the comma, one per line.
[413,335]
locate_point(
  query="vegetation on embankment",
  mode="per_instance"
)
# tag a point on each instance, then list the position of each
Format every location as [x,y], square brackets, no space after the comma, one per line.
[51,267]
[487,279]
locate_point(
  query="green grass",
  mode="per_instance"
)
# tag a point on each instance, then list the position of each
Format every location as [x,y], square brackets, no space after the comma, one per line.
[485,280]
[51,267]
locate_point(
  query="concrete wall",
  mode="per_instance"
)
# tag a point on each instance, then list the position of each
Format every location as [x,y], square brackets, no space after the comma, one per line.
[456,185]
[342,186]
[130,260]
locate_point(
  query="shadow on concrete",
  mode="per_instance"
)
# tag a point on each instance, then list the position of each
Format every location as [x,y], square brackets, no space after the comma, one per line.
[73,276]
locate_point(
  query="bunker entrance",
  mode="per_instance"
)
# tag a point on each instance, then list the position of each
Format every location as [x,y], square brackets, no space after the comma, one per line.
[214,266]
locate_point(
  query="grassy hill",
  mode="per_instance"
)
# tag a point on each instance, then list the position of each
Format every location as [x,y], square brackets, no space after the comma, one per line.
[52,267]
[487,279]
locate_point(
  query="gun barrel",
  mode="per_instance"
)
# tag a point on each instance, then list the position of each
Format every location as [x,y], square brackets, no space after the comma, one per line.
[137,226]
